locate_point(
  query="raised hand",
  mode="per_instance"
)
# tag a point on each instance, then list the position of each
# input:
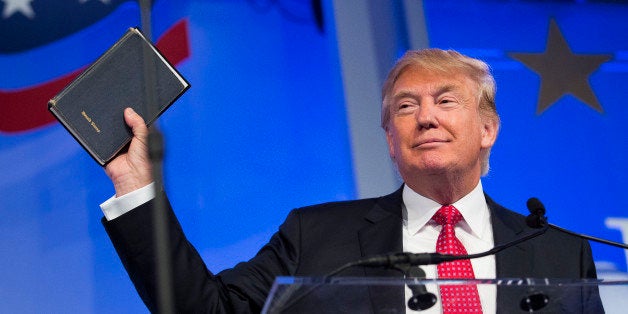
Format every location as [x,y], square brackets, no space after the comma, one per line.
[131,170]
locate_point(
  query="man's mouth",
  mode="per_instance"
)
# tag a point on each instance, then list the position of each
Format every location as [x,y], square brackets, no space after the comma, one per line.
[428,142]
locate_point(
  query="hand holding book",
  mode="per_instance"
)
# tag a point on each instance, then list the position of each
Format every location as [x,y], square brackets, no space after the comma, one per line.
[131,169]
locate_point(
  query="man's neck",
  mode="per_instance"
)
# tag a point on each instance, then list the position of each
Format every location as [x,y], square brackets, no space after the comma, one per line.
[444,189]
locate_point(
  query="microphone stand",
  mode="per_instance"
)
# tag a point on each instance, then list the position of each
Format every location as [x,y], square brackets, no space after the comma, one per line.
[588,237]
[164,291]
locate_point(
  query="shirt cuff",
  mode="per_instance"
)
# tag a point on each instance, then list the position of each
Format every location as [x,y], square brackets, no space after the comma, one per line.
[115,207]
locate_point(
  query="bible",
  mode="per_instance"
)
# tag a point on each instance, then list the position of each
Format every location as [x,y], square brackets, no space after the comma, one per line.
[131,73]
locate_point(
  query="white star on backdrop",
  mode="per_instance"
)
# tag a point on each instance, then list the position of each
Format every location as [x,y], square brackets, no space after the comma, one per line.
[21,6]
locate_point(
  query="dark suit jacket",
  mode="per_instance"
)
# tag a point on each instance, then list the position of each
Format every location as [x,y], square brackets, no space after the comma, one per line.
[318,239]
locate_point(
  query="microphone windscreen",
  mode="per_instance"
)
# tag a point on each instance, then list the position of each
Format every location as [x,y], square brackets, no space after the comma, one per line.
[535,206]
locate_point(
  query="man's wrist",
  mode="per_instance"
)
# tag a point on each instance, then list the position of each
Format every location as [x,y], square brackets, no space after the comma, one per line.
[117,206]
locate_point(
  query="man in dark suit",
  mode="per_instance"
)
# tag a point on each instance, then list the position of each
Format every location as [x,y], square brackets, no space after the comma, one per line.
[439,115]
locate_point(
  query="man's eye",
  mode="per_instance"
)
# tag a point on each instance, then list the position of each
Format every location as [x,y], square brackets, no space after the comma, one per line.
[405,107]
[447,101]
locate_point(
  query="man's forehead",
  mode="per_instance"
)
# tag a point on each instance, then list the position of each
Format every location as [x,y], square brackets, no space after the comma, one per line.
[432,82]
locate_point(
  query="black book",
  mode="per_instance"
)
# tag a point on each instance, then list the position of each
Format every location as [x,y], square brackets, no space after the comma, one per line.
[132,73]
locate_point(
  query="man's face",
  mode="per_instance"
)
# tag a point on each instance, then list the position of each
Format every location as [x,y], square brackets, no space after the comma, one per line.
[435,126]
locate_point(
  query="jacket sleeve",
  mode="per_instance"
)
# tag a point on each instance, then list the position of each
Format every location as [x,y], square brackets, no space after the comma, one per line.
[242,289]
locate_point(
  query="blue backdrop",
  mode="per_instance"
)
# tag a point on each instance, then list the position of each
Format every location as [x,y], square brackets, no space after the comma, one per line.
[263,130]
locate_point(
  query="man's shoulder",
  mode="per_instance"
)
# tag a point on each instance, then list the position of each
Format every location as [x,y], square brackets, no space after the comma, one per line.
[386,204]
[343,204]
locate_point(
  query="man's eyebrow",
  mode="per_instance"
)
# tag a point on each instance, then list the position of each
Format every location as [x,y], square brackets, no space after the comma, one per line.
[445,88]
[404,94]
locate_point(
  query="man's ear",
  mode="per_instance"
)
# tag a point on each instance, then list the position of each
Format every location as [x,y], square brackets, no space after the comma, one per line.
[490,129]
[389,140]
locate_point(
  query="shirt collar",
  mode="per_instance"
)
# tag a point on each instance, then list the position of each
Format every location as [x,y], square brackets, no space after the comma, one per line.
[418,210]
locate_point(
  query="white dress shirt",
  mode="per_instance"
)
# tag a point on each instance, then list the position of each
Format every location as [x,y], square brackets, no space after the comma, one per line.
[475,232]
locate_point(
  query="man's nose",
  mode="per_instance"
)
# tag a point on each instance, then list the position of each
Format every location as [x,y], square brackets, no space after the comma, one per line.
[426,116]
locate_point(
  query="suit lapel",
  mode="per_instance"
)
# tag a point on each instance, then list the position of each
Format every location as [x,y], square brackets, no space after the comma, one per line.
[383,235]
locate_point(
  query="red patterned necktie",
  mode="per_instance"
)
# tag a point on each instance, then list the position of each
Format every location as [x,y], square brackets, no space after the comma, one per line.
[455,298]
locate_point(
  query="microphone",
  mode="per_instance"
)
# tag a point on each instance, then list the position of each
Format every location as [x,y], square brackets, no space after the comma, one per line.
[537,218]
[421,299]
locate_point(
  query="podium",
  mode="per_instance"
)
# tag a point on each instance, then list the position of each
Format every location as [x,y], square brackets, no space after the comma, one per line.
[388,295]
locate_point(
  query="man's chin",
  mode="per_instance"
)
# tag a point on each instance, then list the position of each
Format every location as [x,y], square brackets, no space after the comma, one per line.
[431,169]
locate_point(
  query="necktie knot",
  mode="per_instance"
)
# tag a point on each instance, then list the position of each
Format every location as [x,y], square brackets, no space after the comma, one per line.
[447,215]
